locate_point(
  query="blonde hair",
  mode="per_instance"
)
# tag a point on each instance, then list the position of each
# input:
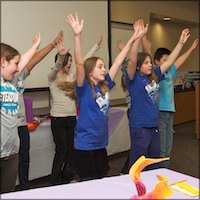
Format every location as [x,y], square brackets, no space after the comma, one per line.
[89,65]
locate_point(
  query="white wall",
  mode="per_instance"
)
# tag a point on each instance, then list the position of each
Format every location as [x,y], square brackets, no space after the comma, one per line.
[21,20]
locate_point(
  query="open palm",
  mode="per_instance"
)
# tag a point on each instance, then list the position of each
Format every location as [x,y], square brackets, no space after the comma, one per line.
[75,23]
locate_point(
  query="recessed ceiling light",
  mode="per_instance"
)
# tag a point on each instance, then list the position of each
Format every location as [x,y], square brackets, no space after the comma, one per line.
[166,18]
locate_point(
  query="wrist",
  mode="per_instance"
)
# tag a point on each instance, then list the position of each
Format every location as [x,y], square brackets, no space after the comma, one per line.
[52,45]
[180,42]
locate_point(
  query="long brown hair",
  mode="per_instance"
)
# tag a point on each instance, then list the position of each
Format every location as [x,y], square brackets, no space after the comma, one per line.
[140,60]
[89,65]
[60,79]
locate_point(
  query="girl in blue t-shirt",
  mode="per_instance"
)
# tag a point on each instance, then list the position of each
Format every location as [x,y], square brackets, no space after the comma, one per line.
[143,86]
[92,86]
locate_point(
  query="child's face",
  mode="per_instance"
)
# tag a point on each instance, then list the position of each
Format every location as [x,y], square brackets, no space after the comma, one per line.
[146,67]
[67,67]
[99,72]
[9,68]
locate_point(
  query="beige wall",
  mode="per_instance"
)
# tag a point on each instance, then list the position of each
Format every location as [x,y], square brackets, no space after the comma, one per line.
[129,11]
[185,12]
[166,34]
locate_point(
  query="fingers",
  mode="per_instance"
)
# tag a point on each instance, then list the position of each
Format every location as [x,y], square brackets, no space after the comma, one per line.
[36,38]
[60,35]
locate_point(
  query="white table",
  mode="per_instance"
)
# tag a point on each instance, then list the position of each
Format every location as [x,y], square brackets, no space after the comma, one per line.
[42,147]
[117,187]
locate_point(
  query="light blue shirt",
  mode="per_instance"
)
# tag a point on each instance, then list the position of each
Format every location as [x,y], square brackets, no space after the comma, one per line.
[166,102]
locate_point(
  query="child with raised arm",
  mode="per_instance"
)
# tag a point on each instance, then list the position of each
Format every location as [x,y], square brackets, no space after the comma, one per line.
[23,131]
[63,113]
[92,86]
[166,101]
[166,96]
[143,86]
[11,63]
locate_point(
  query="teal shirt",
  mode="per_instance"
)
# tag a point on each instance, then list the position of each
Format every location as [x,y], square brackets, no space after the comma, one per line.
[166,102]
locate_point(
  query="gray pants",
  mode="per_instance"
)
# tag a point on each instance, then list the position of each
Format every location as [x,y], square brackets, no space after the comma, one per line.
[9,171]
[165,123]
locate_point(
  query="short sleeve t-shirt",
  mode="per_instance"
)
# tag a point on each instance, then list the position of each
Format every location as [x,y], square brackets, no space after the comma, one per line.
[9,110]
[166,102]
[144,100]
[91,131]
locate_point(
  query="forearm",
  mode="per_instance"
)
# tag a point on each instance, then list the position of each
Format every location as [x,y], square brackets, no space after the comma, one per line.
[77,50]
[80,73]
[119,60]
[58,65]
[25,58]
[171,58]
[92,51]
[123,53]
[146,44]
[134,51]
[131,67]
[181,59]
[39,56]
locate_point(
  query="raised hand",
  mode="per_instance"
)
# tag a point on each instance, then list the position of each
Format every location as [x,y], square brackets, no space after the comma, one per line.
[36,40]
[184,36]
[58,38]
[75,23]
[62,50]
[194,44]
[120,44]
[139,31]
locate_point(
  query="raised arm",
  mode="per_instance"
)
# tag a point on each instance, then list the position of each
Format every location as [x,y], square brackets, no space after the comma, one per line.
[62,51]
[43,52]
[174,54]
[123,53]
[120,44]
[77,27]
[181,59]
[25,58]
[94,49]
[132,63]
[146,44]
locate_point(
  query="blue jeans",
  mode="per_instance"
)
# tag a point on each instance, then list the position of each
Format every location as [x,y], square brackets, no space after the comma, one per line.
[144,141]
[165,124]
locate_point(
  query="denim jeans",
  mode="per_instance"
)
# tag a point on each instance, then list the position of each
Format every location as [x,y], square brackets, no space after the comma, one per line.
[165,124]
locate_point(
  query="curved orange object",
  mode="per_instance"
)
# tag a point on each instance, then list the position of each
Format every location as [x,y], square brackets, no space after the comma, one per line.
[32,125]
[161,190]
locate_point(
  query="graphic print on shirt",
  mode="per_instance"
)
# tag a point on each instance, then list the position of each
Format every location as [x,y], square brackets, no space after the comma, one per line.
[152,89]
[9,99]
[20,86]
[103,103]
